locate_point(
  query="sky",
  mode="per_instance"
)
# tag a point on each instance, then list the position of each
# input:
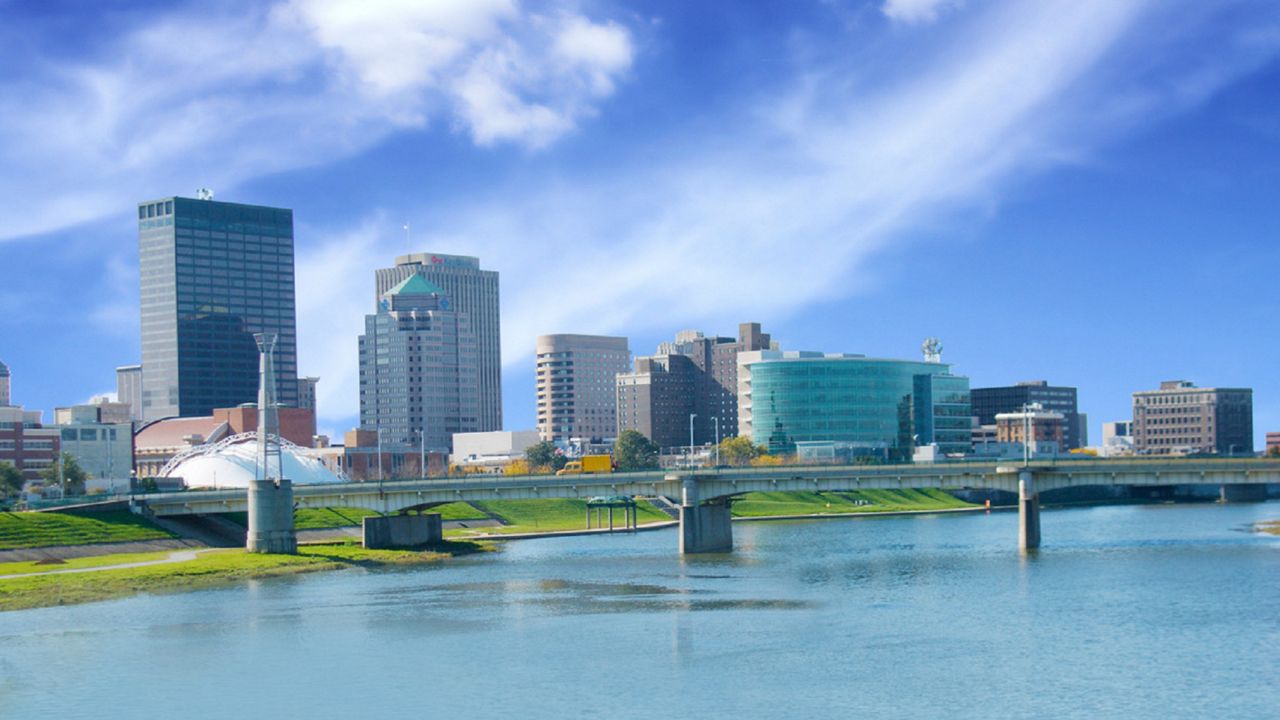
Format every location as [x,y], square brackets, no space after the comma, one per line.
[1081,191]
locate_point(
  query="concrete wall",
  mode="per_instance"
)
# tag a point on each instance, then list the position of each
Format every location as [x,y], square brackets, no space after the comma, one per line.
[706,528]
[393,531]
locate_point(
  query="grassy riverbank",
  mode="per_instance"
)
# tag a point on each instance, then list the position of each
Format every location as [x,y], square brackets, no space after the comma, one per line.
[211,568]
[860,501]
[531,516]
[33,529]
[338,517]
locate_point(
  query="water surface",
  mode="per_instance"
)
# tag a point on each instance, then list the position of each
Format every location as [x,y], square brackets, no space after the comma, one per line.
[1134,611]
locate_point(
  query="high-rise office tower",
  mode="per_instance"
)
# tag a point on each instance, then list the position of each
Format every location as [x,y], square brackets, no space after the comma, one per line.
[472,291]
[129,389]
[213,274]
[418,369]
[576,383]
[4,385]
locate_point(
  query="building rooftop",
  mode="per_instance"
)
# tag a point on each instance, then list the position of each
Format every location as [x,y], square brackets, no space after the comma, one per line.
[415,285]
[170,433]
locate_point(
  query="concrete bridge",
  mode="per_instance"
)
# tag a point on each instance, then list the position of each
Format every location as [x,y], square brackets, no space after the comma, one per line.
[705,494]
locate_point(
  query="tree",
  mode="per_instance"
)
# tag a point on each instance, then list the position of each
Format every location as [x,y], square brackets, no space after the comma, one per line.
[72,478]
[545,456]
[1273,451]
[768,461]
[11,480]
[740,451]
[634,451]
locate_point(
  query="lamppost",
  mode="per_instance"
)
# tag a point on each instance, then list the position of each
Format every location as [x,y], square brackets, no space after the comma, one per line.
[691,417]
[379,431]
[716,419]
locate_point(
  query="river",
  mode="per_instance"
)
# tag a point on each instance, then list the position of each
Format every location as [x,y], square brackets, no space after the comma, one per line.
[1153,611]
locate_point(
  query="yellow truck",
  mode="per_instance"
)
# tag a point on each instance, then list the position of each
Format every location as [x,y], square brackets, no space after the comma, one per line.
[589,464]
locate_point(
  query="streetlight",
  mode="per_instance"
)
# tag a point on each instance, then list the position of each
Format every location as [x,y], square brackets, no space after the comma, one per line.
[716,419]
[422,453]
[691,417]
[379,430]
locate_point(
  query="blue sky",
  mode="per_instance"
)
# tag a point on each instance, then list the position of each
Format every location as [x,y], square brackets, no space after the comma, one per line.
[1081,191]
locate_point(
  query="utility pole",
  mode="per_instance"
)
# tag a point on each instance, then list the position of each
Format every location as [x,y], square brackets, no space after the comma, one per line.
[422,450]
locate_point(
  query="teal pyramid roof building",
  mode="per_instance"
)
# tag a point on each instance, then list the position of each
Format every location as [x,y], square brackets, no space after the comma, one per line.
[415,285]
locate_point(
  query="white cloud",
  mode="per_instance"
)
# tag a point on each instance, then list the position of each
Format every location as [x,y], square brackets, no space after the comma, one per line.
[213,97]
[916,11]
[773,217]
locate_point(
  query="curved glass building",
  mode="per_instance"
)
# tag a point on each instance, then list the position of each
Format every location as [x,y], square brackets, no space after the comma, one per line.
[870,406]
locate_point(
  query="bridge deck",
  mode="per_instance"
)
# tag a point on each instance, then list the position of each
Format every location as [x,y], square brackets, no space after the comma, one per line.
[711,483]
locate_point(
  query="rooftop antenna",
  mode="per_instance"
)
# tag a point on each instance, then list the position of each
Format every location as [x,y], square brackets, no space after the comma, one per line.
[932,349]
[204,194]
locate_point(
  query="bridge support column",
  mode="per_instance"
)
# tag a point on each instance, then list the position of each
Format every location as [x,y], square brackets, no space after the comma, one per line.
[1242,492]
[271,518]
[704,528]
[1028,512]
[402,531]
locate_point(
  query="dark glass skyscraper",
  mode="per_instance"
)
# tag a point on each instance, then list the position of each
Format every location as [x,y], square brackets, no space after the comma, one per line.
[213,274]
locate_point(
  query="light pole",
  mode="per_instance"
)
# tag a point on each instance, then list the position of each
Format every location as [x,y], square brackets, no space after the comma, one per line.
[379,430]
[1026,434]
[422,453]
[716,419]
[691,417]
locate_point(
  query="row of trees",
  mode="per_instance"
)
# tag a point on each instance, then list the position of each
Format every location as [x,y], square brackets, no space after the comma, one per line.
[634,451]
[71,477]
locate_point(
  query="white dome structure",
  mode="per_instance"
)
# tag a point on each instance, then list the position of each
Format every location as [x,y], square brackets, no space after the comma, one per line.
[233,462]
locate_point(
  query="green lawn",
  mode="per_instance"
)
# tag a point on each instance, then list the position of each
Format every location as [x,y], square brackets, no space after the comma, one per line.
[811,503]
[210,569]
[32,529]
[337,517]
[37,566]
[520,516]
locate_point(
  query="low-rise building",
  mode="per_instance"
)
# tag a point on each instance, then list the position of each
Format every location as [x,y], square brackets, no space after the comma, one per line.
[1181,418]
[361,457]
[879,408]
[25,442]
[1273,442]
[1042,430]
[491,451]
[157,442]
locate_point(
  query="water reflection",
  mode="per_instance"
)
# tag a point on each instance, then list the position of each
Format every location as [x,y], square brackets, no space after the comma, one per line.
[893,617]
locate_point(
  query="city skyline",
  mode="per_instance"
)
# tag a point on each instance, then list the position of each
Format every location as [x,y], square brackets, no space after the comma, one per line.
[1057,252]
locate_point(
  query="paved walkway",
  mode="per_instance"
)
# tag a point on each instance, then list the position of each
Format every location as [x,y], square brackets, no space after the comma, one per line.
[174,557]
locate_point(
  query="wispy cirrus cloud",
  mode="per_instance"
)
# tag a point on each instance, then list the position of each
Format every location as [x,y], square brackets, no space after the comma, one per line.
[217,96]
[916,11]
[786,208]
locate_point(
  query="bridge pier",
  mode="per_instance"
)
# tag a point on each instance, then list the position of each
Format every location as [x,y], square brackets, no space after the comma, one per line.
[271,518]
[402,531]
[704,528]
[1028,511]
[1241,492]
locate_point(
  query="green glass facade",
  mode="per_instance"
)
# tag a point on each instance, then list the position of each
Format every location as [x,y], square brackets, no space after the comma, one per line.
[883,408]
